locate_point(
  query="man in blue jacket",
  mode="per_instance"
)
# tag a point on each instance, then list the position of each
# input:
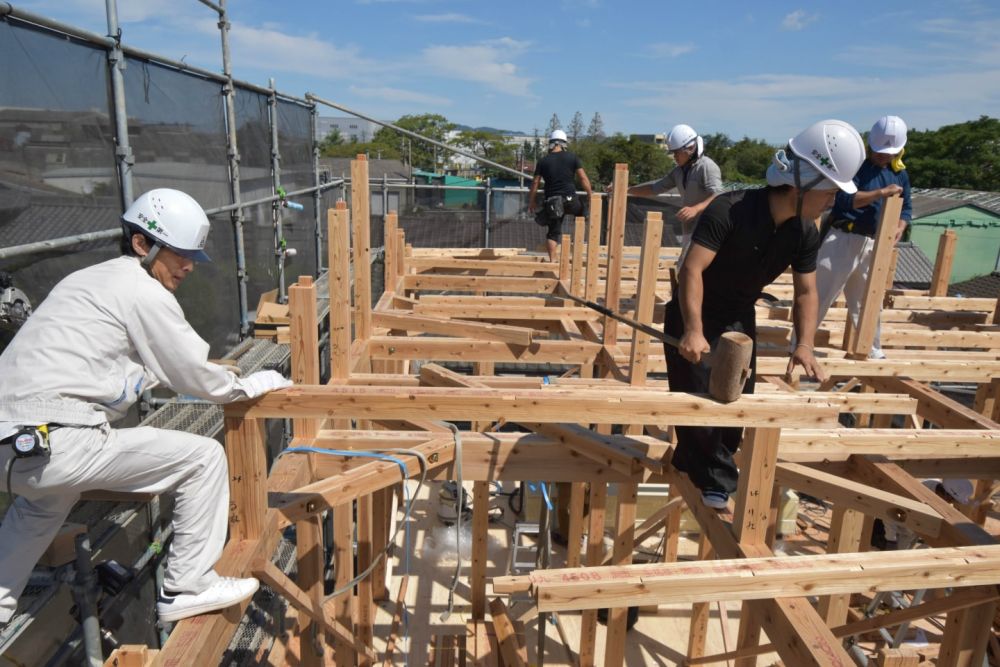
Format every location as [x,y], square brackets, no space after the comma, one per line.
[845,258]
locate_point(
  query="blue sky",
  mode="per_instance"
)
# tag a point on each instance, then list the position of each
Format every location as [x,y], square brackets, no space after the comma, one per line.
[763,70]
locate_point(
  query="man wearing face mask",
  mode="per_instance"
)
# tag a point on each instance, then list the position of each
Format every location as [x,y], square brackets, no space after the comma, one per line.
[103,336]
[743,241]
[845,258]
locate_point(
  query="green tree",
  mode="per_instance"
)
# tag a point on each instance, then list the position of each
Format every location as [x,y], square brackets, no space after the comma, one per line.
[489,145]
[595,131]
[646,161]
[745,161]
[965,156]
[554,124]
[434,126]
[333,138]
[575,129]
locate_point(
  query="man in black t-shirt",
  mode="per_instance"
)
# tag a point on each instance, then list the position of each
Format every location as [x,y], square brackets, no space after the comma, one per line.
[743,241]
[558,169]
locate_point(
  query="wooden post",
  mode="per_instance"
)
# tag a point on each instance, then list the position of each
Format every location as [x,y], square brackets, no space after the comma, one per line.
[309,552]
[845,537]
[360,207]
[381,509]
[594,248]
[564,257]
[304,338]
[871,306]
[575,531]
[366,605]
[246,450]
[896,657]
[700,610]
[339,235]
[614,649]
[943,262]
[753,504]
[480,538]
[390,261]
[645,298]
[579,243]
[890,275]
[616,241]
[343,550]
[595,556]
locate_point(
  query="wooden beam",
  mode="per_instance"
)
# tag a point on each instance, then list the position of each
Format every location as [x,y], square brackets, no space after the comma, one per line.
[846,528]
[933,405]
[310,558]
[552,405]
[616,239]
[595,554]
[514,654]
[479,283]
[764,578]
[304,344]
[846,493]
[246,452]
[404,321]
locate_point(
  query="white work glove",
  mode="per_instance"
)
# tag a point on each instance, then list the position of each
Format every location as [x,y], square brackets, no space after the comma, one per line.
[261,382]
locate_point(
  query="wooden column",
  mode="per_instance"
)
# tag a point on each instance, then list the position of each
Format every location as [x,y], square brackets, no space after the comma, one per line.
[700,611]
[564,258]
[594,248]
[943,263]
[579,244]
[595,556]
[246,452]
[574,534]
[391,260]
[871,305]
[616,241]
[381,510]
[753,505]
[309,553]
[361,243]
[304,339]
[339,235]
[343,550]
[365,601]
[480,540]
[846,528]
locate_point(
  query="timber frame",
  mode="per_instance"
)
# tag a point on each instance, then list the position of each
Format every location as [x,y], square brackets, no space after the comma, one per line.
[501,306]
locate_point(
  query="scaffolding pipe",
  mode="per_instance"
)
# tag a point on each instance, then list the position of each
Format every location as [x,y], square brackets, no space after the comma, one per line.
[116,67]
[235,190]
[313,98]
[276,217]
[7,9]
[317,195]
[486,216]
[85,593]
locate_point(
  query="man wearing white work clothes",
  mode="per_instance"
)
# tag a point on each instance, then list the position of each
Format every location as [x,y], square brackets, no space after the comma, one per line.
[103,336]
[845,258]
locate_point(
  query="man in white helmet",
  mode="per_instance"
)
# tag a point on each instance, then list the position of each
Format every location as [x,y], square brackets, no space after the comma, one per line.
[845,258]
[559,169]
[696,178]
[104,335]
[743,241]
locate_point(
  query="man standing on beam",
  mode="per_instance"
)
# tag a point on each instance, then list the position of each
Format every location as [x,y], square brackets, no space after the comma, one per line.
[743,241]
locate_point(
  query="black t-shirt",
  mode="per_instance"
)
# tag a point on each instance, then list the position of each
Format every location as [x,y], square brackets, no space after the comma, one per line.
[558,170]
[751,251]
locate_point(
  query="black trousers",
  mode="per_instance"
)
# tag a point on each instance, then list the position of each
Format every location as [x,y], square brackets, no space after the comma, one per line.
[705,453]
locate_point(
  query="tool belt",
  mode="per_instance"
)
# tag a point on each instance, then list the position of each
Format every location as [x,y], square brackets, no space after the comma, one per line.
[849,227]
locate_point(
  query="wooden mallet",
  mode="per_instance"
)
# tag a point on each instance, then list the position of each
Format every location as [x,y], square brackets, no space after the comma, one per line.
[730,361]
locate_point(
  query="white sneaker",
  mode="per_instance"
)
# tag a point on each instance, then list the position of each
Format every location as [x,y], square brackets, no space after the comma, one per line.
[225,592]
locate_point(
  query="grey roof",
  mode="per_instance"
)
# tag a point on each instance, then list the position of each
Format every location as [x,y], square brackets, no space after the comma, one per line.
[928,201]
[914,269]
[987,287]
[27,219]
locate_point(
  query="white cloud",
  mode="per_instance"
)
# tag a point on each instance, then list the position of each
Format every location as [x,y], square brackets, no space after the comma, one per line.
[798,20]
[668,50]
[775,106]
[396,95]
[487,63]
[446,18]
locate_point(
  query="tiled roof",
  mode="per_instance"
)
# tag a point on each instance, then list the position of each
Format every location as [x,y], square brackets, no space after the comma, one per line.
[942,199]
[914,269]
[986,287]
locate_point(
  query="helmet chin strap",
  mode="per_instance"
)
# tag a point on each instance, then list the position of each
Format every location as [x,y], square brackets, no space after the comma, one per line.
[800,189]
[147,261]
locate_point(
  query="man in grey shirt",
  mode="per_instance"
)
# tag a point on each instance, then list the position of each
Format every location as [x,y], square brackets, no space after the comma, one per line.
[696,177]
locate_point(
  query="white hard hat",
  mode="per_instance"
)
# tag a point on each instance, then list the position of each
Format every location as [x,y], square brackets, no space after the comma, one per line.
[680,136]
[172,219]
[888,135]
[834,148]
[558,135]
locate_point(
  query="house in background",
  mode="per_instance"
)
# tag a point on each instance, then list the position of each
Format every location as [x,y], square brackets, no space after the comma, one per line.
[975,219]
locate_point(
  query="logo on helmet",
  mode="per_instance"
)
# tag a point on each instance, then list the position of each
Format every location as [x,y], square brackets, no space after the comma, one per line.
[823,160]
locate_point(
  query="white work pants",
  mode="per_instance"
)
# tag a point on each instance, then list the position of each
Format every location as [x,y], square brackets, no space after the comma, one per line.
[137,460]
[844,263]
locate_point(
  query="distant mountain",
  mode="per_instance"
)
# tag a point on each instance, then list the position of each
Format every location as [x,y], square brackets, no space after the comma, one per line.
[493,130]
